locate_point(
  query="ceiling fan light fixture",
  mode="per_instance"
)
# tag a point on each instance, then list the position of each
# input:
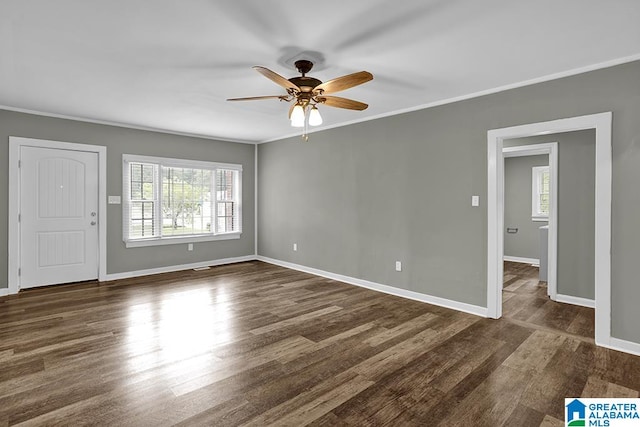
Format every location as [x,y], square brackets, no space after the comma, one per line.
[297,116]
[315,119]
[305,92]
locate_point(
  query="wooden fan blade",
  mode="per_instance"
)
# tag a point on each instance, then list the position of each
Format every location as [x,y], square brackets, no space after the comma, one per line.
[277,78]
[336,101]
[255,98]
[344,82]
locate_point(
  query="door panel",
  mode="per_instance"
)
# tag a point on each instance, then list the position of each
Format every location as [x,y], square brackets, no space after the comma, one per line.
[59,205]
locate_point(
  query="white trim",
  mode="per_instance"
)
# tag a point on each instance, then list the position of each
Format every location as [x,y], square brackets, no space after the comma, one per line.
[549,77]
[179,163]
[173,268]
[15,143]
[568,299]
[179,240]
[255,200]
[527,150]
[623,345]
[522,260]
[495,197]
[4,292]
[550,149]
[121,125]
[540,219]
[403,293]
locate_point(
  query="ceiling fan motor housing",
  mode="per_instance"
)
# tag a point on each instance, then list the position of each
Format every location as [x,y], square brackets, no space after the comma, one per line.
[306,84]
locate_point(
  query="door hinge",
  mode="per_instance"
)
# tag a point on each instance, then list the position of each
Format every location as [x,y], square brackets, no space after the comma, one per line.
[19,163]
[19,217]
[19,272]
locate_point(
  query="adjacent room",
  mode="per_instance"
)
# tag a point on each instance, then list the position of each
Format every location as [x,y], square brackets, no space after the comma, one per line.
[413,213]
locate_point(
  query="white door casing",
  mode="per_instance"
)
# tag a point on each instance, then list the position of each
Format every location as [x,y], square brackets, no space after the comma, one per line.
[22,257]
[601,122]
[59,216]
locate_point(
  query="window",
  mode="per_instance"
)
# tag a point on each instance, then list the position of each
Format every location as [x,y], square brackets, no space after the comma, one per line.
[177,201]
[540,193]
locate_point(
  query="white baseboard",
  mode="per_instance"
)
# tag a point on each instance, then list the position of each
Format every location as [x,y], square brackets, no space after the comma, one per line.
[532,261]
[4,292]
[172,268]
[568,299]
[624,346]
[442,302]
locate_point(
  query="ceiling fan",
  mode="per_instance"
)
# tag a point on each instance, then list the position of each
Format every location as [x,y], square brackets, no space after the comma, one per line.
[306,93]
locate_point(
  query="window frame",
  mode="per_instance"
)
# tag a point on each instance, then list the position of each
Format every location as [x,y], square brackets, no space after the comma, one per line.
[536,187]
[159,163]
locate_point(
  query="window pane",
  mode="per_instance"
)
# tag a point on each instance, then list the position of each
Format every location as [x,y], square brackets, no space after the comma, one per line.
[226,211]
[226,217]
[136,172]
[545,182]
[141,220]
[186,201]
[136,190]
[147,173]
[224,179]
[544,203]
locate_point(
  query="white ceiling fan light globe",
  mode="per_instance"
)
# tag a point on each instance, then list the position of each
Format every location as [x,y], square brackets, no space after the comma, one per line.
[315,119]
[297,116]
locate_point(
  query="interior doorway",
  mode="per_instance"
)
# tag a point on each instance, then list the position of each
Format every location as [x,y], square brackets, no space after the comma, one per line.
[495,201]
[549,149]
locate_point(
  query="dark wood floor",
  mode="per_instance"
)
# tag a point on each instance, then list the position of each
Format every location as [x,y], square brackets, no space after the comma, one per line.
[525,299]
[255,344]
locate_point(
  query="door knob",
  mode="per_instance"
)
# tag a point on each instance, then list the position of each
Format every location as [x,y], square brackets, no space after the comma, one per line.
[93,223]
[93,214]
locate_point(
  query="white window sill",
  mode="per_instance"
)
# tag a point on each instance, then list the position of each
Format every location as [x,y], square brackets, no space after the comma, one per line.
[179,240]
[540,218]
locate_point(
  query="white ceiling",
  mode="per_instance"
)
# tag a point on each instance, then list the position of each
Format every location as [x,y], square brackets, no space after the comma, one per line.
[170,65]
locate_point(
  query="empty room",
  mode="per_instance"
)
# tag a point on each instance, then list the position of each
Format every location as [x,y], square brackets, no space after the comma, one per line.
[365,213]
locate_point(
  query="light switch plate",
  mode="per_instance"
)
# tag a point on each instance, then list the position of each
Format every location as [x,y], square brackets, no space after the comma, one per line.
[114,200]
[475,200]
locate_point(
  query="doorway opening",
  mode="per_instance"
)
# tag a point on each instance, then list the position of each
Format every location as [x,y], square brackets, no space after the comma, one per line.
[495,199]
[549,262]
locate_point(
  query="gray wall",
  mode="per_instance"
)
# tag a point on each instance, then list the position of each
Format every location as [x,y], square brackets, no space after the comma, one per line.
[576,209]
[357,198]
[118,141]
[517,207]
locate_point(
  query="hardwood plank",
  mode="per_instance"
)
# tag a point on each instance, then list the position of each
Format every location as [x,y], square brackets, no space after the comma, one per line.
[599,388]
[535,352]
[314,403]
[549,421]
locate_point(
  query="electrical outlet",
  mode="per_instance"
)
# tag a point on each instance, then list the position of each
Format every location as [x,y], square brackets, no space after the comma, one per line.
[190,247]
[398,266]
[475,201]
[295,247]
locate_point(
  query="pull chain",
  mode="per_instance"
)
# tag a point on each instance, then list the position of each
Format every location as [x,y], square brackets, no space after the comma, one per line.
[305,131]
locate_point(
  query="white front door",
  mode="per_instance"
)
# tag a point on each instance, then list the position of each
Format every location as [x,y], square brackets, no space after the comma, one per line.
[58,216]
